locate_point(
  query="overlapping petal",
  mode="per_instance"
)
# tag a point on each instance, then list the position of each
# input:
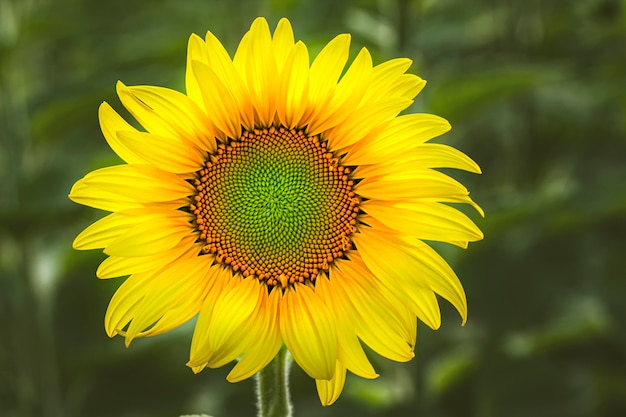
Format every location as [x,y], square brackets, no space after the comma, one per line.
[394,139]
[218,338]
[330,389]
[377,319]
[264,327]
[111,123]
[309,332]
[425,220]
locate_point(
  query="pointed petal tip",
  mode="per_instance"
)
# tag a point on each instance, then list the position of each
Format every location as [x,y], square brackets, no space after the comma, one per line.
[233,379]
[76,243]
[76,194]
[196,369]
[195,38]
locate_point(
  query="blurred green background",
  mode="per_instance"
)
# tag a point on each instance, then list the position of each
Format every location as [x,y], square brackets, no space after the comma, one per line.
[535,91]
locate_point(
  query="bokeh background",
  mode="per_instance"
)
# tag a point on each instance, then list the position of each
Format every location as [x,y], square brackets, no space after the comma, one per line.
[535,91]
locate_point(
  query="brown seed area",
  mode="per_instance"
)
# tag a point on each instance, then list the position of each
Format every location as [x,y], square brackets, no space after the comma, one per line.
[276,204]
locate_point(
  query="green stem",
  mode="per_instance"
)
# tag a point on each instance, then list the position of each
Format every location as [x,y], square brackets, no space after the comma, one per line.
[273,387]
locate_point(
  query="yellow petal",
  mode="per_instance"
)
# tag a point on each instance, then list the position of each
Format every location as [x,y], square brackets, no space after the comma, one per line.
[111,123]
[424,220]
[265,335]
[219,61]
[363,120]
[106,230]
[350,352]
[101,199]
[408,85]
[347,95]
[150,237]
[173,113]
[402,134]
[180,287]
[427,155]
[103,232]
[261,72]
[384,76]
[124,302]
[231,318]
[196,51]
[218,101]
[198,355]
[417,270]
[329,390]
[129,183]
[171,154]
[309,331]
[325,71]
[282,42]
[117,266]
[217,337]
[294,87]
[457,199]
[399,184]
[378,323]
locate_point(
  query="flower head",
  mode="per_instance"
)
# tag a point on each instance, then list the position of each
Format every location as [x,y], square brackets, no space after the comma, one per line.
[281,203]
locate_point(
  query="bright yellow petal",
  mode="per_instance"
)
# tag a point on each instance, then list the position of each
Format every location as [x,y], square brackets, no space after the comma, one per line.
[171,154]
[346,97]
[398,184]
[217,337]
[167,112]
[231,318]
[111,123]
[350,352]
[124,303]
[309,331]
[364,120]
[150,237]
[129,183]
[196,51]
[402,134]
[218,101]
[118,266]
[408,85]
[424,220]
[384,76]
[414,295]
[265,335]
[324,74]
[282,42]
[103,232]
[329,390]
[417,270]
[427,155]
[377,322]
[294,87]
[219,61]
[261,72]
[181,287]
[456,199]
[100,199]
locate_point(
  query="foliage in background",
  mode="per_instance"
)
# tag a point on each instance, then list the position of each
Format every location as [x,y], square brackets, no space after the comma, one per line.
[535,91]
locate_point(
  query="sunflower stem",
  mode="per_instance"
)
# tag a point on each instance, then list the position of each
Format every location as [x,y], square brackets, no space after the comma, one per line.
[272,387]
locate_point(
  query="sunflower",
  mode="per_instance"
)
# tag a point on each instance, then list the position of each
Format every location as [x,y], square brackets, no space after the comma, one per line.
[282,204]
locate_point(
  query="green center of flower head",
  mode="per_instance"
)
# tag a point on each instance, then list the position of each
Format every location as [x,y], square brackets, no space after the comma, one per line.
[275,204]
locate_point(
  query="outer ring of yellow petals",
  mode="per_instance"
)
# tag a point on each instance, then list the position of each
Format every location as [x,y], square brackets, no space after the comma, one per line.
[374,296]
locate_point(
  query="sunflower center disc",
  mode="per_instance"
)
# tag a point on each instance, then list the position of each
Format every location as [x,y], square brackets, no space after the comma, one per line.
[276,205]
